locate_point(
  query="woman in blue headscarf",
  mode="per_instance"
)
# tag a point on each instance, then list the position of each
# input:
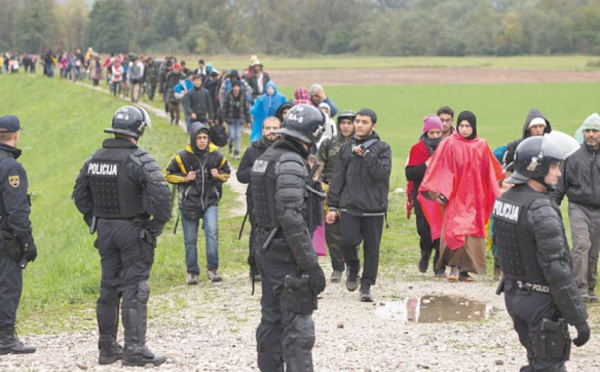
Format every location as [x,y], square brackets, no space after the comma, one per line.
[266,105]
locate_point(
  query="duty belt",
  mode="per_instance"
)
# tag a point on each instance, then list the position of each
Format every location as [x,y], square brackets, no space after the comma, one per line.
[532,287]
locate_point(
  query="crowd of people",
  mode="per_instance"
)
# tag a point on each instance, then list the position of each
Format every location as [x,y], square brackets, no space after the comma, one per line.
[311,167]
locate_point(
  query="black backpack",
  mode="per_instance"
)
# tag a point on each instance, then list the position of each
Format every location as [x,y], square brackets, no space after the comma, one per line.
[218,135]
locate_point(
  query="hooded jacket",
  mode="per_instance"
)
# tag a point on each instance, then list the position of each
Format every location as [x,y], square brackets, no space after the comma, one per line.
[511,148]
[264,107]
[360,184]
[327,152]
[205,190]
[197,101]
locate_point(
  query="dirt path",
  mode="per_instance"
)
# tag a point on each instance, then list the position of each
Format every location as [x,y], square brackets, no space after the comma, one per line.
[429,75]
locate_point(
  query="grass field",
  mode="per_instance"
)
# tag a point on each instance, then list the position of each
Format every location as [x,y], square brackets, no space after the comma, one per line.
[63,125]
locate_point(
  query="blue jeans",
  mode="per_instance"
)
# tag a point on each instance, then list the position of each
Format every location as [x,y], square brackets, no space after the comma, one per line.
[210,226]
[235,135]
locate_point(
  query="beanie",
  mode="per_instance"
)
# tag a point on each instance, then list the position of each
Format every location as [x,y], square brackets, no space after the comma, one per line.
[537,121]
[430,122]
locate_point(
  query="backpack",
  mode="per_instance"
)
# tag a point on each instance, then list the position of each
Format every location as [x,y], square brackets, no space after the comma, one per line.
[218,135]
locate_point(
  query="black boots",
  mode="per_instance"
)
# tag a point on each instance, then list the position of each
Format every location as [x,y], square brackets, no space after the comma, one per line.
[136,353]
[10,343]
[110,350]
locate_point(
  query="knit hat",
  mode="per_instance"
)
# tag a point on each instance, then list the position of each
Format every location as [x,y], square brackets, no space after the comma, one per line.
[301,96]
[176,66]
[592,122]
[430,122]
[471,119]
[537,121]
[325,105]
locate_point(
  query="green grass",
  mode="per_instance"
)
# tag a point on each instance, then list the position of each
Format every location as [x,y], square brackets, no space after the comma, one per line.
[501,109]
[63,125]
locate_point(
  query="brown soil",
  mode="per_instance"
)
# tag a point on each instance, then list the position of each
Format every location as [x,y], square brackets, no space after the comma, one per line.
[429,75]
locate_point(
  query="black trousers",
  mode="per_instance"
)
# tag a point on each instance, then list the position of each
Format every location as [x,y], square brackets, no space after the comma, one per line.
[11,287]
[281,333]
[123,269]
[527,311]
[427,246]
[355,230]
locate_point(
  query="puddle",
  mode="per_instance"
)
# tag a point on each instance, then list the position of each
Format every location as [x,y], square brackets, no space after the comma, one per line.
[435,309]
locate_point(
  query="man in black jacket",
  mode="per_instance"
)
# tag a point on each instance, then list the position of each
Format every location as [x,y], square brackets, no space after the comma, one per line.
[199,171]
[580,181]
[540,294]
[197,103]
[119,188]
[16,240]
[256,149]
[358,195]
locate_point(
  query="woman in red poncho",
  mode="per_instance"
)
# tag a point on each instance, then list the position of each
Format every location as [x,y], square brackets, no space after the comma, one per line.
[416,166]
[463,180]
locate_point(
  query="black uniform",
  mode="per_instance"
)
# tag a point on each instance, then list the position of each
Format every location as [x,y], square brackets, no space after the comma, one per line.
[122,186]
[540,293]
[282,208]
[256,149]
[14,212]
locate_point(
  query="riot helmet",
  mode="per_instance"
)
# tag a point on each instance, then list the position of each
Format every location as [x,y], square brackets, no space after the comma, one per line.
[131,121]
[533,158]
[305,123]
[346,114]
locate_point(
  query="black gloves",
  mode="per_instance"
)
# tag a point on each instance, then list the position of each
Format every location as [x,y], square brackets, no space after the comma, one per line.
[583,334]
[316,279]
[154,228]
[31,254]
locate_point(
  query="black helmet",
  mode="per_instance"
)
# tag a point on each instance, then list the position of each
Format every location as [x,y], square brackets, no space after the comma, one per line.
[130,120]
[346,114]
[533,158]
[303,122]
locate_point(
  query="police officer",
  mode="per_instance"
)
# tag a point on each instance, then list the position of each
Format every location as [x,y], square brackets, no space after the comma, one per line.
[287,208]
[119,188]
[16,239]
[540,293]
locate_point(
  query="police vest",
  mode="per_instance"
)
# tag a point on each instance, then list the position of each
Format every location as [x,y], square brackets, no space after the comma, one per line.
[263,182]
[114,193]
[516,248]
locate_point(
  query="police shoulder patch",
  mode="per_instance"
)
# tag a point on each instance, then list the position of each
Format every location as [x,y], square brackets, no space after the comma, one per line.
[14,181]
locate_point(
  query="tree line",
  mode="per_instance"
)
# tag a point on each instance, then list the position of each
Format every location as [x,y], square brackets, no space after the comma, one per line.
[289,27]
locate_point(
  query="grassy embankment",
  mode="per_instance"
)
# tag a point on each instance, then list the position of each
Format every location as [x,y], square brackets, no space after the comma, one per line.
[63,125]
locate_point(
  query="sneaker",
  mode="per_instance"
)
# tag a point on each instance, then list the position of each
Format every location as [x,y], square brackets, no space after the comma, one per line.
[453,274]
[585,297]
[465,277]
[192,279]
[365,293]
[352,280]
[336,276]
[442,275]
[213,275]
[593,297]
